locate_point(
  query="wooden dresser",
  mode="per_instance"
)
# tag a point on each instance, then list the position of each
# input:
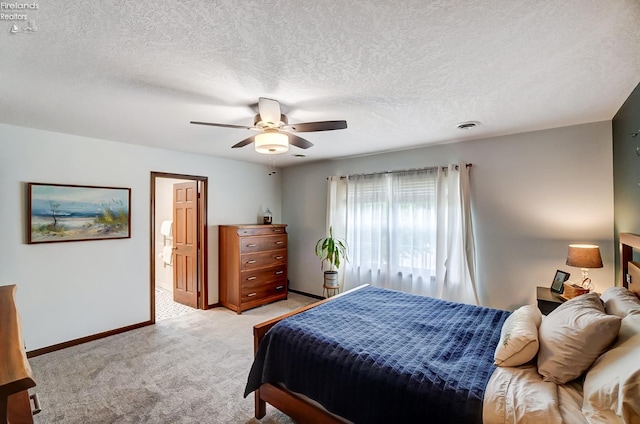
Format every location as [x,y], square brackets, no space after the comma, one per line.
[15,373]
[253,265]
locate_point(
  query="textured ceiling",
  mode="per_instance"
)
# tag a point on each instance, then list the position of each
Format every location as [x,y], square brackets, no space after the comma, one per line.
[402,73]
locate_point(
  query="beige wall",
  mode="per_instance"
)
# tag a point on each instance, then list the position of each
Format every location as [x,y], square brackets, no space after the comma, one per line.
[532,194]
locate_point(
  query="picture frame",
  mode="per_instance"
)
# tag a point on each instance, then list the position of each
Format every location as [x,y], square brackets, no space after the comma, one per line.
[62,213]
[558,281]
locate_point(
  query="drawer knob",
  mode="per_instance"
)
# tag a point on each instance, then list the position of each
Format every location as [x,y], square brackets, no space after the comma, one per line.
[251,262]
[251,245]
[277,230]
[279,272]
[279,242]
[251,294]
[251,278]
[279,287]
[279,257]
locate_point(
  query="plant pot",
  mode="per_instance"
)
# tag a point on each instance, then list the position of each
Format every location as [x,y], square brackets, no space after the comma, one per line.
[331,279]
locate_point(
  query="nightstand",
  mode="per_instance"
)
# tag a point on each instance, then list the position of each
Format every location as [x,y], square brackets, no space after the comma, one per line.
[548,300]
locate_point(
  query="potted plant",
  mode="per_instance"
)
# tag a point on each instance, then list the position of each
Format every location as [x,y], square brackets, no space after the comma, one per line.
[331,251]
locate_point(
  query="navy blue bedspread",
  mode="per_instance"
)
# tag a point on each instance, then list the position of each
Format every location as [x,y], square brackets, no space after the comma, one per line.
[382,356]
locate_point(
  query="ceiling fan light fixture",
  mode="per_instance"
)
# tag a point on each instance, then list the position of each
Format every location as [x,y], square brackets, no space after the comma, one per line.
[271,143]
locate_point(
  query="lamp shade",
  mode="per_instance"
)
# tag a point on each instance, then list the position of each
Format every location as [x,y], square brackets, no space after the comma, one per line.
[271,143]
[584,256]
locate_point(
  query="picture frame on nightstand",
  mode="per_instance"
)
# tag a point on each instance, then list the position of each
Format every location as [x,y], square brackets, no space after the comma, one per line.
[557,285]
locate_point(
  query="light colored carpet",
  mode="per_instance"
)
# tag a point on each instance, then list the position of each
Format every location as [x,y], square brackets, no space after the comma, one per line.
[188,369]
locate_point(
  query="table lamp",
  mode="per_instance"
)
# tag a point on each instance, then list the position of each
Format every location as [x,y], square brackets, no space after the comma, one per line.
[584,256]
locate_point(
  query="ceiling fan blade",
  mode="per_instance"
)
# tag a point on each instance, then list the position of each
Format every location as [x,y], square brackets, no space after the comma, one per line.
[318,126]
[211,124]
[300,142]
[269,110]
[244,142]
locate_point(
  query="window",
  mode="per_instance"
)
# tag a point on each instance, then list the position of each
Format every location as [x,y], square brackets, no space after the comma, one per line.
[391,229]
[398,227]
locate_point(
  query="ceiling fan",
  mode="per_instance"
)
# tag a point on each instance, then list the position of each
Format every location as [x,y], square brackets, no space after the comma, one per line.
[275,130]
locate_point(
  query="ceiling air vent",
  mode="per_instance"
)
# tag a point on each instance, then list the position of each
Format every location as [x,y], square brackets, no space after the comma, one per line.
[467,125]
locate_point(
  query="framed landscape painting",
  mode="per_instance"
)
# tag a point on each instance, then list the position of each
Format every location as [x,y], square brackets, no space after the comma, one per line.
[60,212]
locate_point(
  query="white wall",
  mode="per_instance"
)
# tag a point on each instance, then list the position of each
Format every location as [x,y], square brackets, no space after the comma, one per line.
[72,290]
[532,195]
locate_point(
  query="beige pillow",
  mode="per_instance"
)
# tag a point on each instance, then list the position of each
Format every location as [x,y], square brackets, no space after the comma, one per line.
[518,337]
[612,385]
[620,301]
[573,336]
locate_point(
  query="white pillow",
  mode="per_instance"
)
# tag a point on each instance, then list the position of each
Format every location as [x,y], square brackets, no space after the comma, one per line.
[518,395]
[612,385]
[518,337]
[620,301]
[573,336]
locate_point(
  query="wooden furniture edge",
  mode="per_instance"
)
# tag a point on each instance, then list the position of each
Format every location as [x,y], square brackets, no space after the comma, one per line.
[284,400]
[16,375]
[298,408]
[628,242]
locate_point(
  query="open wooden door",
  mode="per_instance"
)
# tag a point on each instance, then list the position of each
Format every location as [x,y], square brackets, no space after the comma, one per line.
[185,243]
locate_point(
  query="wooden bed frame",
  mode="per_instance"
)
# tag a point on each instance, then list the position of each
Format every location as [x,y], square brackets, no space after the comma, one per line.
[301,409]
[628,242]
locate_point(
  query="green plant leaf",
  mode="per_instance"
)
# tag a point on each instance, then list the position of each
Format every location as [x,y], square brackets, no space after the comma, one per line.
[331,250]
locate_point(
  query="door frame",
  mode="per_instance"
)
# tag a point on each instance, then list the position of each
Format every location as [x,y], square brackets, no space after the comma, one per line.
[203,266]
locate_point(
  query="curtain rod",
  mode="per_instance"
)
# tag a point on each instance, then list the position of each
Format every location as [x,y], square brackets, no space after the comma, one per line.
[469,165]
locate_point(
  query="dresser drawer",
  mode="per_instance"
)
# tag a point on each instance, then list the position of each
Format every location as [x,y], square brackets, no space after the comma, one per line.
[251,278]
[260,231]
[263,259]
[274,288]
[259,244]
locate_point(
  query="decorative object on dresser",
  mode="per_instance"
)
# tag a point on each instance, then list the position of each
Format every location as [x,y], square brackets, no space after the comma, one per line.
[253,265]
[16,376]
[267,218]
[584,256]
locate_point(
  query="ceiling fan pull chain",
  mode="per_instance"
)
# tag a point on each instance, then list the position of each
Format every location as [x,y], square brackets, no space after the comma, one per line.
[272,165]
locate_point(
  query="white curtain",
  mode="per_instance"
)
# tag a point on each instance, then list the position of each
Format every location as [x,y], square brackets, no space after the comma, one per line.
[455,270]
[408,230]
[337,213]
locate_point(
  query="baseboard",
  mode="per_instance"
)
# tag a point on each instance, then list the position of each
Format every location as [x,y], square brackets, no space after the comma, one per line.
[315,296]
[64,345]
[59,346]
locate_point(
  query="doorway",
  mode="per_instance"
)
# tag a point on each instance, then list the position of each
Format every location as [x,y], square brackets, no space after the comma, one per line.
[178,244]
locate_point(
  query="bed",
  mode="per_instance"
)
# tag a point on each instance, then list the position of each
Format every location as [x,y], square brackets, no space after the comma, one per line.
[372,355]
